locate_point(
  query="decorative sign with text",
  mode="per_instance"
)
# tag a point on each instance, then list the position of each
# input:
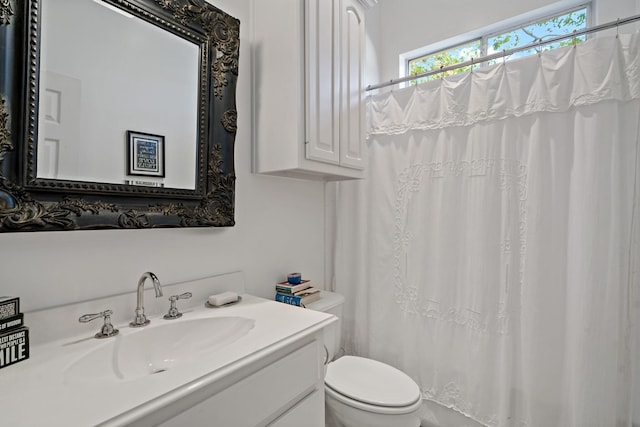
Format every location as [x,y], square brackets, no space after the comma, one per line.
[14,347]
[12,322]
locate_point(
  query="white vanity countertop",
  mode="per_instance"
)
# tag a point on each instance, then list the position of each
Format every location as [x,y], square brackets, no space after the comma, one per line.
[37,392]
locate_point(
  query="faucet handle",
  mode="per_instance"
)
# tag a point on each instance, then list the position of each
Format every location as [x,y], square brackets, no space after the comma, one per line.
[107,329]
[185,295]
[173,309]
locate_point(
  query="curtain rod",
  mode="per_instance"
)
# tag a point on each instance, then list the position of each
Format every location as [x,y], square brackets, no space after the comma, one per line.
[506,53]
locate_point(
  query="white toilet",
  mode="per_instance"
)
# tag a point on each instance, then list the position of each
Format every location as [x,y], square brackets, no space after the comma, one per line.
[361,392]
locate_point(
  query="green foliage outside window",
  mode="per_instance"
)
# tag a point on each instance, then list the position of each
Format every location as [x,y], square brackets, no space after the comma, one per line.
[444,58]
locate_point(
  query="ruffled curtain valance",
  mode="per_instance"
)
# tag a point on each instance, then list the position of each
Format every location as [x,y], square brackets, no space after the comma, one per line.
[600,69]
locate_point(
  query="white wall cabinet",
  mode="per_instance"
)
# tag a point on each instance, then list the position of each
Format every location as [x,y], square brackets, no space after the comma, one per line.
[308,58]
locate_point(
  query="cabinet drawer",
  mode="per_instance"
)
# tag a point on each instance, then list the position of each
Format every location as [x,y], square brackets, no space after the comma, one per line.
[259,397]
[308,413]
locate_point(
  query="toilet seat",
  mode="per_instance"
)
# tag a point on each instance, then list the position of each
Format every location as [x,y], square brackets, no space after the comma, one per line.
[386,410]
[371,386]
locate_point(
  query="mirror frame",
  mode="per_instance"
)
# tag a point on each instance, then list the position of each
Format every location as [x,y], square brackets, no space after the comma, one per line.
[28,203]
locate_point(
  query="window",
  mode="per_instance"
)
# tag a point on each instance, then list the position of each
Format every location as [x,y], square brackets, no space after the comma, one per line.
[552,26]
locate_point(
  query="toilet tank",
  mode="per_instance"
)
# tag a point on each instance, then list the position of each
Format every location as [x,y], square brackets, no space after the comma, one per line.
[332,303]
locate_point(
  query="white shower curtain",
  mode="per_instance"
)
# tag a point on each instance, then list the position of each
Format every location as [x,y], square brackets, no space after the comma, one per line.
[492,252]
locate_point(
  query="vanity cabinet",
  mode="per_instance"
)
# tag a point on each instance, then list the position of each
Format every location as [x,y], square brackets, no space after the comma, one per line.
[286,392]
[308,59]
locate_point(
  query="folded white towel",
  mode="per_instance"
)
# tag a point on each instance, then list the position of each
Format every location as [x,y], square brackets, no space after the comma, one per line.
[223,298]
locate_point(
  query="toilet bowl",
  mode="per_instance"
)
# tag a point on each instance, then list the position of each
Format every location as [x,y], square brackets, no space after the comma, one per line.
[363,392]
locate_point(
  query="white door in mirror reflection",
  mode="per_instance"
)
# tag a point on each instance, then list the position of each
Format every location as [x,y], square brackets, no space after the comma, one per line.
[58,128]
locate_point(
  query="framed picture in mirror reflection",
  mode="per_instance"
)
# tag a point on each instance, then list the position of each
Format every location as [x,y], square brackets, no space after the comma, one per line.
[145,154]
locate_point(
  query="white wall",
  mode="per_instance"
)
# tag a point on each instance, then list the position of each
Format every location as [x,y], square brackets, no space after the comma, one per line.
[399,26]
[280,228]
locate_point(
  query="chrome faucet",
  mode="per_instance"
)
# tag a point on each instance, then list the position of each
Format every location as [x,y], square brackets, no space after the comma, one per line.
[140,319]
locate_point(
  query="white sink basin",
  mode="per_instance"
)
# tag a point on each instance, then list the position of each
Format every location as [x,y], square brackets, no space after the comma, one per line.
[157,348]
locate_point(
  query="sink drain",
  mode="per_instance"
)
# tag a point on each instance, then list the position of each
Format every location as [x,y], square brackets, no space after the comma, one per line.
[158,371]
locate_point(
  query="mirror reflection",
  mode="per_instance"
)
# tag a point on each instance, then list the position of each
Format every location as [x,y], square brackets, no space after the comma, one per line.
[118,98]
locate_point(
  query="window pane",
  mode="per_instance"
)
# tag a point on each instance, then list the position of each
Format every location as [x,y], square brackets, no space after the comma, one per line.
[443,58]
[543,30]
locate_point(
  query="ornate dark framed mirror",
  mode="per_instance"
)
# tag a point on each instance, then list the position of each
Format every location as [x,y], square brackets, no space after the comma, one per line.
[116,114]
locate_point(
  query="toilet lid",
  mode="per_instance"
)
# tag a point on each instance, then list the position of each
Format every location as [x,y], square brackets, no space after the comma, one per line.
[371,382]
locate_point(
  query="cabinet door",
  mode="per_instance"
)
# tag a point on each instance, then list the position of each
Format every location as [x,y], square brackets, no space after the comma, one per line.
[352,124]
[323,77]
[256,399]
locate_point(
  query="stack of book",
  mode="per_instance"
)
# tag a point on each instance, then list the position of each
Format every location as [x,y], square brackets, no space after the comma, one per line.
[299,294]
[14,336]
